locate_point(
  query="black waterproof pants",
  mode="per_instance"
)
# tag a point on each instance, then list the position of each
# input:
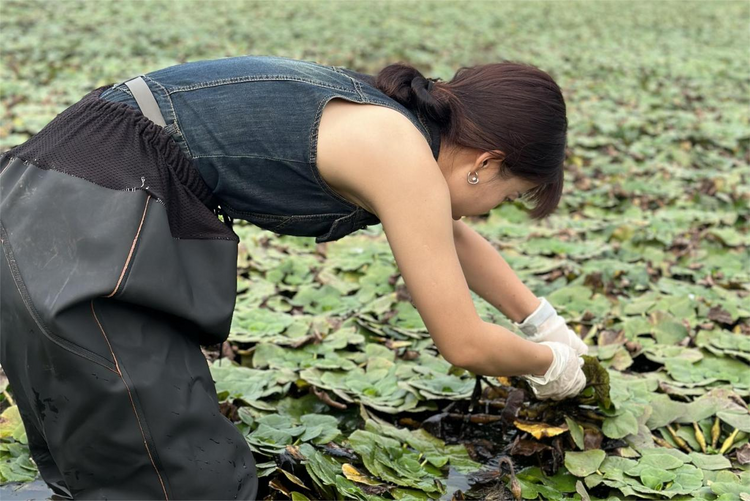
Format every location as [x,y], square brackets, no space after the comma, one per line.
[113,271]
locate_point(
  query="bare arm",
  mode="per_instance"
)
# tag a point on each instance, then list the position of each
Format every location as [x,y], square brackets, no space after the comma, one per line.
[490,276]
[404,186]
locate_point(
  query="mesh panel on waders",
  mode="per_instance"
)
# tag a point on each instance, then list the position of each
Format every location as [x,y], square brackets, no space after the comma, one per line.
[114,270]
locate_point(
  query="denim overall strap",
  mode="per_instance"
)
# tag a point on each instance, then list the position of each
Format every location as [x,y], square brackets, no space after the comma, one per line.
[146,100]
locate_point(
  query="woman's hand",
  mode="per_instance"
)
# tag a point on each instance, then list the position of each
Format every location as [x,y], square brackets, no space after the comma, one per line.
[564,378]
[555,329]
[545,324]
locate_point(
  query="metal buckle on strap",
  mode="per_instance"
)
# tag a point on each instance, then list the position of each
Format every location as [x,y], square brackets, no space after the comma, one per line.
[146,101]
[227,219]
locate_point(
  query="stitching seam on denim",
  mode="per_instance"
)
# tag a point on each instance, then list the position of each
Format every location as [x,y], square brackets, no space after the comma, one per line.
[256,78]
[282,224]
[313,147]
[271,217]
[176,123]
[365,99]
[21,288]
[259,157]
[358,87]
[165,94]
[424,124]
[125,90]
[301,217]
[339,222]
[132,403]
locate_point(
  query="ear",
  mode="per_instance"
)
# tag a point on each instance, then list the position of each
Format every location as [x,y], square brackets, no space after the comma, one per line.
[498,168]
[494,159]
[499,155]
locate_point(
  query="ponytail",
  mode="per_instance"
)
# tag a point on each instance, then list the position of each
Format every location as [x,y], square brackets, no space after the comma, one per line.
[408,86]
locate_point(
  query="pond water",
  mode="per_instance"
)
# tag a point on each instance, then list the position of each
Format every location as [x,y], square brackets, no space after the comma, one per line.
[455,481]
[28,491]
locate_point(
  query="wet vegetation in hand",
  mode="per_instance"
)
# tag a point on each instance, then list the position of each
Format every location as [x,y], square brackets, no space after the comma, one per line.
[329,371]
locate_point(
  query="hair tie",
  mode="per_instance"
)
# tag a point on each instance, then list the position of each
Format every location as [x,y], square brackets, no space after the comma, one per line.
[430,85]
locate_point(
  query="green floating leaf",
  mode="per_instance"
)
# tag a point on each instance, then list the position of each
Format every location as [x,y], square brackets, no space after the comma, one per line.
[710,461]
[655,478]
[576,432]
[251,385]
[621,425]
[534,482]
[11,425]
[386,459]
[582,464]
[710,369]
[668,330]
[741,421]
[432,448]
[656,460]
[18,469]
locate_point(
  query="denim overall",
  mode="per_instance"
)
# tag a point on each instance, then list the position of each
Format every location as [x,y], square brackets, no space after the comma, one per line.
[250,125]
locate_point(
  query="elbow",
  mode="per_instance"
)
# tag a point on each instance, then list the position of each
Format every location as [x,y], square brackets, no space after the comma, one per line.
[459,344]
[463,358]
[452,353]
[461,354]
[455,358]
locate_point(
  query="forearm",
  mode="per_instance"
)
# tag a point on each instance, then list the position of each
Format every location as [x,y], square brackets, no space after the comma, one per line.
[495,351]
[488,275]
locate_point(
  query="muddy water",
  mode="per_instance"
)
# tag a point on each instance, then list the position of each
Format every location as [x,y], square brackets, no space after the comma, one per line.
[28,491]
[455,481]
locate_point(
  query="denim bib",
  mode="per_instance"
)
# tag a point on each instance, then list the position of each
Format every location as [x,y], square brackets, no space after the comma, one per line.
[250,124]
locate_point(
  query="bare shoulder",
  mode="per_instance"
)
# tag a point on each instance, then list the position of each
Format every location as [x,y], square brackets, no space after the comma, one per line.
[380,158]
[363,147]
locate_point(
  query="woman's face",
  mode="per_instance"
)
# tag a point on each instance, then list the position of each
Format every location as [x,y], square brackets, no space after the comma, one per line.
[491,190]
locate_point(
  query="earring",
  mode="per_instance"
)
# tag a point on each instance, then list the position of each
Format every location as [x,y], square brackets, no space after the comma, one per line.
[474,179]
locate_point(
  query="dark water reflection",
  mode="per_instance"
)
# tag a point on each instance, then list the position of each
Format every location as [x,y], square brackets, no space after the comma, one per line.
[28,491]
[455,481]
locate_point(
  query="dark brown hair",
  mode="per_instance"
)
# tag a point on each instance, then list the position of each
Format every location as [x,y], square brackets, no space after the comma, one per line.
[513,107]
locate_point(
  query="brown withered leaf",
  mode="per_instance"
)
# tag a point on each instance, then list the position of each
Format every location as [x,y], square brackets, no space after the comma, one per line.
[512,405]
[592,439]
[527,447]
[719,314]
[743,454]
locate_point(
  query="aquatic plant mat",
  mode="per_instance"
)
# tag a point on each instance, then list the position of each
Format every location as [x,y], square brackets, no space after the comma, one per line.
[329,371]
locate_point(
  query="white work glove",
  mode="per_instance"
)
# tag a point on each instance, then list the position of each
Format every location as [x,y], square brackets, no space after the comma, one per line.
[564,378]
[545,324]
